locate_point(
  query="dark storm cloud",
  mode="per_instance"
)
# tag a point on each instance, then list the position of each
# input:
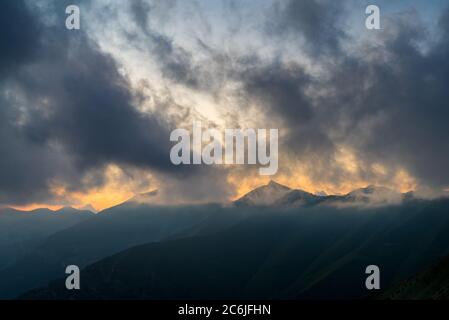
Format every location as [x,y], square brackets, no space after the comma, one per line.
[90,107]
[390,103]
[412,94]
[385,104]
[25,167]
[318,22]
[282,90]
[18,157]
[65,111]
[394,110]
[16,44]
[140,10]
[175,63]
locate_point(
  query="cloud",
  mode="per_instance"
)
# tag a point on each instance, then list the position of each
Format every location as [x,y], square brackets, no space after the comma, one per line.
[386,102]
[410,92]
[67,112]
[25,167]
[175,63]
[317,22]
[16,44]
[373,97]
[366,107]
[88,107]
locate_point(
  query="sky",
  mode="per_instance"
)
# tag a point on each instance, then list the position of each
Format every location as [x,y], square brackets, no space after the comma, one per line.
[86,115]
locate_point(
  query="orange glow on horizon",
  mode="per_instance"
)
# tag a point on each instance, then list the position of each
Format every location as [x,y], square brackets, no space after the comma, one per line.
[31,207]
[400,180]
[119,187]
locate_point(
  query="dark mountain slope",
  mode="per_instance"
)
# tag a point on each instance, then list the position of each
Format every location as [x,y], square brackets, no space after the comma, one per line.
[23,230]
[108,232]
[16,225]
[313,253]
[217,266]
[430,284]
[298,198]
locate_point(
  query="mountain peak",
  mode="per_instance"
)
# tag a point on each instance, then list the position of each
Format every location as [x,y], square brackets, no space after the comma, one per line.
[264,195]
[88,207]
[321,194]
[374,195]
[274,184]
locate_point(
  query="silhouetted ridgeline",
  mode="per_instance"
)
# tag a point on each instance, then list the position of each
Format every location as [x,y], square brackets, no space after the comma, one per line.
[267,252]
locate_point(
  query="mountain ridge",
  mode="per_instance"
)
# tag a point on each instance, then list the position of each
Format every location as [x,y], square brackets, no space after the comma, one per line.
[305,253]
[276,194]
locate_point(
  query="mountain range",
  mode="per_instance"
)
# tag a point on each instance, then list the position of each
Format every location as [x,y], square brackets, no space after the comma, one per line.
[20,231]
[273,243]
[277,195]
